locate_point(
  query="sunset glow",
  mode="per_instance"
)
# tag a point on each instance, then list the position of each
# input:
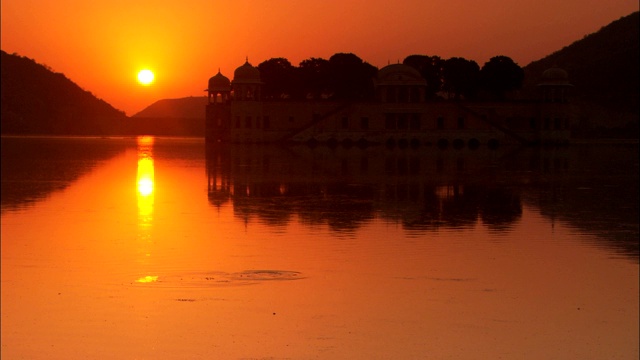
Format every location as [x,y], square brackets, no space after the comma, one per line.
[98,45]
[146,77]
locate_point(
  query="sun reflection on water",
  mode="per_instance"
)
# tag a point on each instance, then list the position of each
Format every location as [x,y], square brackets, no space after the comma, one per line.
[145,180]
[145,186]
[147,279]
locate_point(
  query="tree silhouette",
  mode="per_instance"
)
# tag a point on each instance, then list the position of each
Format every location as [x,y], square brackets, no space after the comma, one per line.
[461,77]
[430,67]
[500,75]
[280,79]
[350,78]
[314,75]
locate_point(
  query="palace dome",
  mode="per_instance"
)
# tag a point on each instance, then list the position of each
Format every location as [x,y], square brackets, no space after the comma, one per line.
[399,74]
[246,74]
[219,82]
[555,76]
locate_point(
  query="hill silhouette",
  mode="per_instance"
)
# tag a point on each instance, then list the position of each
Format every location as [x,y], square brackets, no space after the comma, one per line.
[187,107]
[603,67]
[181,117]
[36,100]
[604,62]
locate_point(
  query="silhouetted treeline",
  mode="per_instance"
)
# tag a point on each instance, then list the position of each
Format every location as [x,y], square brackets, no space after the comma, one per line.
[342,77]
[459,78]
[346,76]
[36,100]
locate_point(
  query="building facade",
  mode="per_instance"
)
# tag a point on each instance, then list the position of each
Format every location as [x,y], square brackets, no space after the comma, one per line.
[399,116]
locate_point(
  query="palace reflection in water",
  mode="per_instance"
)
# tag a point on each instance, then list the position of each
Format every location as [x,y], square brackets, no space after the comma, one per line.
[428,190]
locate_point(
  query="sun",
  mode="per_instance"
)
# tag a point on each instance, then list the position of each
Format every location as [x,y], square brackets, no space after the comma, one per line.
[145,77]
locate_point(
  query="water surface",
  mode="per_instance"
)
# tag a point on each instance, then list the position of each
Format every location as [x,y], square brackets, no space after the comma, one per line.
[166,248]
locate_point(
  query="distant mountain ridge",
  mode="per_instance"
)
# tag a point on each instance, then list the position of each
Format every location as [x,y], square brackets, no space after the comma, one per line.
[603,67]
[180,117]
[602,64]
[188,107]
[36,100]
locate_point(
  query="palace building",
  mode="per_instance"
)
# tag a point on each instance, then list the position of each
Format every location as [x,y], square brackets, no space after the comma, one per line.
[399,116]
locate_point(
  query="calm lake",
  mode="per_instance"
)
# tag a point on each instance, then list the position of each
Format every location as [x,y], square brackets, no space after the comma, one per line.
[165,248]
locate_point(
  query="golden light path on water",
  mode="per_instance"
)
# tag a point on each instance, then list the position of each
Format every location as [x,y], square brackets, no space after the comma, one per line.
[145,194]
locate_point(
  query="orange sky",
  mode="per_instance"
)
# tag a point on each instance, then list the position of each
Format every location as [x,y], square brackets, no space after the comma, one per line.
[101,45]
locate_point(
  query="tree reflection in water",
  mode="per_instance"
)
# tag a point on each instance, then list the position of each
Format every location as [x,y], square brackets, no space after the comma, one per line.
[426,189]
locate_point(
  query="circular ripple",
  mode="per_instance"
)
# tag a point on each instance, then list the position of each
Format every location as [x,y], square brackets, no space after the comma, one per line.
[219,278]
